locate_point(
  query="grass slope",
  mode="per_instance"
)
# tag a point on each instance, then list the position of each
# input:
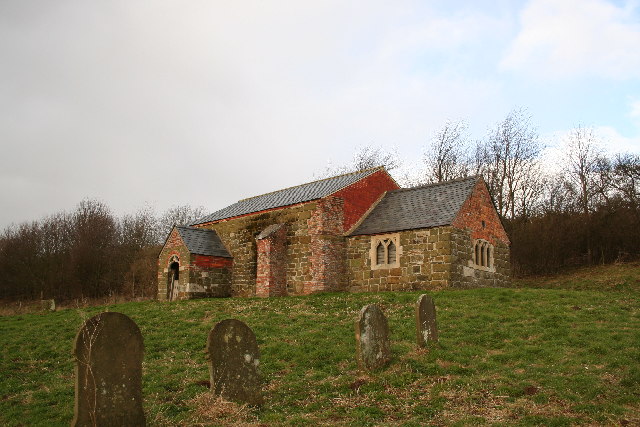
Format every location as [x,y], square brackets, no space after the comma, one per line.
[564,353]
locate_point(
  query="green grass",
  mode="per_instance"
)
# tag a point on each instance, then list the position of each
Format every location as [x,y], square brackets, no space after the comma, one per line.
[563,351]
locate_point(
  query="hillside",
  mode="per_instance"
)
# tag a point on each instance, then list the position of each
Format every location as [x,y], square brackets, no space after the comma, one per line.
[564,350]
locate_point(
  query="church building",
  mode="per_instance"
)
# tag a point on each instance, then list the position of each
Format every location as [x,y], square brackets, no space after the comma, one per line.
[357,232]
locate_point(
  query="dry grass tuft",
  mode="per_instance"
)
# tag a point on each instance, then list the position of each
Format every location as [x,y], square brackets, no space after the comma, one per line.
[214,410]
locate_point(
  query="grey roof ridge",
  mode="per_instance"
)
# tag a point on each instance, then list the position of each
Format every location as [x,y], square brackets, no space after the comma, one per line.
[313,182]
[366,214]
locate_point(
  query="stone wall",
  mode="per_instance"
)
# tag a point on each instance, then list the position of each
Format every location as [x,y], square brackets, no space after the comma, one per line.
[314,246]
[239,237]
[430,259]
[211,281]
[423,262]
[271,277]
[464,273]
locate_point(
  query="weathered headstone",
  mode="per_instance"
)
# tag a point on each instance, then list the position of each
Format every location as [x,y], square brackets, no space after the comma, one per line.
[372,338]
[233,362]
[426,327]
[108,351]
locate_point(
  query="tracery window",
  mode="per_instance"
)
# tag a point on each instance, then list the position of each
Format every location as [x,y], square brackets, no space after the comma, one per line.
[385,251]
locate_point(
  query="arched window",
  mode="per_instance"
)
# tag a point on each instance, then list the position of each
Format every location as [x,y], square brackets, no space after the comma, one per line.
[391,253]
[482,254]
[385,251]
[380,254]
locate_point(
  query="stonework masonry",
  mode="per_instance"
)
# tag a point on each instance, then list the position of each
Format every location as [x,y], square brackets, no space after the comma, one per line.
[271,275]
[239,237]
[431,259]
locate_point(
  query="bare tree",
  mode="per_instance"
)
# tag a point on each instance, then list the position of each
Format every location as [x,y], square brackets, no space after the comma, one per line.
[140,229]
[178,215]
[445,157]
[365,157]
[507,161]
[626,178]
[582,160]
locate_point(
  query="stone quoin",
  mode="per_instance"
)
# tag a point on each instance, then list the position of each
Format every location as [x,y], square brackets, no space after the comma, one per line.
[357,232]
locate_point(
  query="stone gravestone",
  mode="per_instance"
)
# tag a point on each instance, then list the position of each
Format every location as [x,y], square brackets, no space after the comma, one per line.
[108,352]
[233,362]
[372,338]
[426,328]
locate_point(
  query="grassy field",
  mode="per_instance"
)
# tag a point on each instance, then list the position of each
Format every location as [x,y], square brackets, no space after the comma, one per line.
[560,351]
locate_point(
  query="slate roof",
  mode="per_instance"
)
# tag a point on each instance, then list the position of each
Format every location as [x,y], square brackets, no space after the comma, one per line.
[427,206]
[289,196]
[202,241]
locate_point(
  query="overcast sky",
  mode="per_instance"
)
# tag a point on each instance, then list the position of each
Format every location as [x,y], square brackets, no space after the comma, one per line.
[207,102]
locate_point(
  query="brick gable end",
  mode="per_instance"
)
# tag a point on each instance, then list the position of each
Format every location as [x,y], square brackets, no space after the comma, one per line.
[476,209]
[359,197]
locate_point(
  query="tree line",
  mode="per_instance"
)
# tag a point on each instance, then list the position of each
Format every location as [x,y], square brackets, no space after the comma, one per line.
[87,253]
[578,207]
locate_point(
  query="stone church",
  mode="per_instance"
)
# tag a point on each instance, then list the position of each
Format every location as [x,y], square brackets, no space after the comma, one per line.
[357,232]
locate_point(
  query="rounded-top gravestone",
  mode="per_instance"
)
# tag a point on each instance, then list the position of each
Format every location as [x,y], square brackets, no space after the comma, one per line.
[233,362]
[108,351]
[372,338]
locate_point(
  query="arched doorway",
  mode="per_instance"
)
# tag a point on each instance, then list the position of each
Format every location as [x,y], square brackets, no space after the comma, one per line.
[172,277]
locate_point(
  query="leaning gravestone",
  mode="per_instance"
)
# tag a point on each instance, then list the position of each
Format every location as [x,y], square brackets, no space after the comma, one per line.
[426,328]
[372,338]
[108,351]
[233,362]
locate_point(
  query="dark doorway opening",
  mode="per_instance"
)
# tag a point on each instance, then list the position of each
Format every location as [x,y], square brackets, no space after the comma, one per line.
[172,282]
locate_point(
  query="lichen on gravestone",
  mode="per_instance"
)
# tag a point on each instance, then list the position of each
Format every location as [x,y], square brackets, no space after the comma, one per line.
[233,362]
[372,338]
[108,390]
[426,327]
